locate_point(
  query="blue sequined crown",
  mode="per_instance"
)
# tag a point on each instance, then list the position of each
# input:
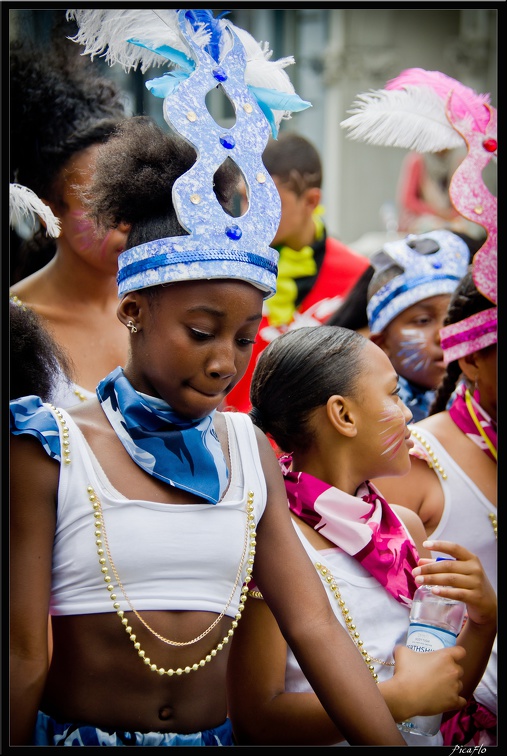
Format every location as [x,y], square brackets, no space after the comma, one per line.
[423,276]
[208,53]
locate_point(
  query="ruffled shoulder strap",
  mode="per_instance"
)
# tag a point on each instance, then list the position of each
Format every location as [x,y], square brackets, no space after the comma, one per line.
[29,414]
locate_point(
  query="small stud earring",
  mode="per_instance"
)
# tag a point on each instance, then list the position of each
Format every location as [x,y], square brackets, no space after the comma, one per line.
[132,326]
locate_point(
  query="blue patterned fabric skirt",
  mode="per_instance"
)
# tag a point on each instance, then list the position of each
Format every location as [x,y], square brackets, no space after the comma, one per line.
[49,732]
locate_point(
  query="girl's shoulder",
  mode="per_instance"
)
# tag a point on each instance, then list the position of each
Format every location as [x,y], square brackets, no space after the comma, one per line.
[30,415]
[438,424]
[442,428]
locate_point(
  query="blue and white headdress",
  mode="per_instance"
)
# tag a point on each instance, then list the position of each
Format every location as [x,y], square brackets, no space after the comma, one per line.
[206,53]
[425,274]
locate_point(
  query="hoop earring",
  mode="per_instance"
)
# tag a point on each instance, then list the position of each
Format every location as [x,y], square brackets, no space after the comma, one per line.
[132,326]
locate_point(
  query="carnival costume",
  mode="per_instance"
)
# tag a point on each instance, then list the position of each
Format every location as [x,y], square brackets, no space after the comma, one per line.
[423,275]
[217,530]
[368,571]
[428,111]
[161,572]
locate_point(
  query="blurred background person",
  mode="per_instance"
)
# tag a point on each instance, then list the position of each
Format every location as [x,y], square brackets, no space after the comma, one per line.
[423,194]
[61,111]
[315,270]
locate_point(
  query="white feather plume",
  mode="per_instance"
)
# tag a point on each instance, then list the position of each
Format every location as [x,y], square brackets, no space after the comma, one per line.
[260,70]
[413,118]
[105,33]
[25,204]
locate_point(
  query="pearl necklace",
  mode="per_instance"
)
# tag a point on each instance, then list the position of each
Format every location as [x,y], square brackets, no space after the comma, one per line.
[100,533]
[330,581]
[101,540]
[494,523]
[434,464]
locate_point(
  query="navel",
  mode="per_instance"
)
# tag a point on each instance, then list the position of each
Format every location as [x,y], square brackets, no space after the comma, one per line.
[165,713]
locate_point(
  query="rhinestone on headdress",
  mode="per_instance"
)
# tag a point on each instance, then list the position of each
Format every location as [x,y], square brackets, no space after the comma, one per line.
[209,53]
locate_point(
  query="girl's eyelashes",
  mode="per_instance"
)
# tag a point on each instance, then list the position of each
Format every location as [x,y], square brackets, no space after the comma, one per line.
[204,335]
[421,321]
[200,335]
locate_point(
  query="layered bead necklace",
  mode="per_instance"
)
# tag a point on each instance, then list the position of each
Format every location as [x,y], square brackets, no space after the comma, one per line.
[103,551]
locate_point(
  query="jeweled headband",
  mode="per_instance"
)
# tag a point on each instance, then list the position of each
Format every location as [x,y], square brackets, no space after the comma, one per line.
[428,111]
[469,335]
[423,276]
[207,53]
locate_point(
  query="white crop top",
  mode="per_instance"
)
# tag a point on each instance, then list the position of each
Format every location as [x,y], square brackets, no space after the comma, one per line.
[168,556]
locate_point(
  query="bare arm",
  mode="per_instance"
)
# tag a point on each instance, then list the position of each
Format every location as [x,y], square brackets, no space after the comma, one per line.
[294,593]
[34,482]
[422,685]
[257,684]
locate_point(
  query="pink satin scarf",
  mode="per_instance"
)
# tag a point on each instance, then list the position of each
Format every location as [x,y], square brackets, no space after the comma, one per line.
[461,416]
[363,526]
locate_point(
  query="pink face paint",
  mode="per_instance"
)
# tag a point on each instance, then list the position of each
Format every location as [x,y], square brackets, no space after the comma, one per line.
[412,351]
[82,230]
[393,436]
[104,244]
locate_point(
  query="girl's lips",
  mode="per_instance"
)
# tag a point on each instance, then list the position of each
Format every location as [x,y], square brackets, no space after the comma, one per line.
[409,442]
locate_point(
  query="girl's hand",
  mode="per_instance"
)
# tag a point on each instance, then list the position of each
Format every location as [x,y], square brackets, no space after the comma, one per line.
[461,578]
[428,683]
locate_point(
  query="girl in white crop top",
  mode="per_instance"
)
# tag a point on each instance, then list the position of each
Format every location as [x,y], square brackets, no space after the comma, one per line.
[140,517]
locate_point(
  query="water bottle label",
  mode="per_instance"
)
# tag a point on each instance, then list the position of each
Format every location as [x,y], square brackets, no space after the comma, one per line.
[425,638]
[428,726]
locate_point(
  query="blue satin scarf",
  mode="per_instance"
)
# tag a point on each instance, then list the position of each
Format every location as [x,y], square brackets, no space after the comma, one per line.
[184,453]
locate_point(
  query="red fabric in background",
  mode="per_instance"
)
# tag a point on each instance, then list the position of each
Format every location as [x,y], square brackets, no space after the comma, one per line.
[340,270]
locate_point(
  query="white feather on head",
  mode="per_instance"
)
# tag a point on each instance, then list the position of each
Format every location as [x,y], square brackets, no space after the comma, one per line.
[413,118]
[25,204]
[106,33]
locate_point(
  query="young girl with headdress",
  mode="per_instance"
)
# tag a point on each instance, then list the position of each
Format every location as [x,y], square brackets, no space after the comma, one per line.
[407,299]
[146,513]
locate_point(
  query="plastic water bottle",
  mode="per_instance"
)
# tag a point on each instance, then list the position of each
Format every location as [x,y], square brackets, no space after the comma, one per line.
[435,622]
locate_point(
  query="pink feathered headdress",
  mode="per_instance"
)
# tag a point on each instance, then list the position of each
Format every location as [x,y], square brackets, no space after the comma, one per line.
[428,111]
